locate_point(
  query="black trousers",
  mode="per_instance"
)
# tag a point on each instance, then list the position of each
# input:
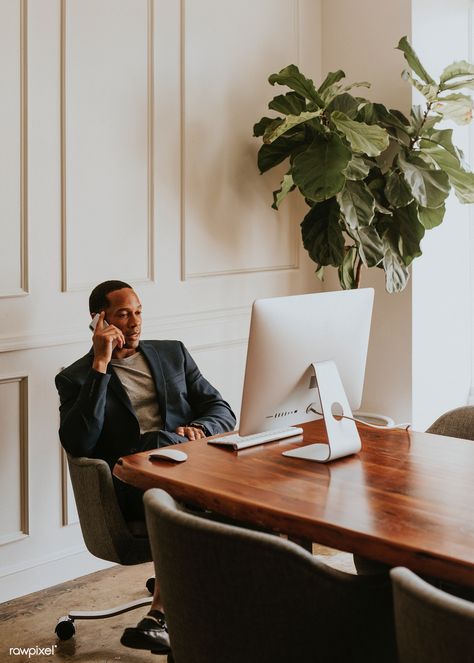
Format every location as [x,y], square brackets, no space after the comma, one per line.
[130,499]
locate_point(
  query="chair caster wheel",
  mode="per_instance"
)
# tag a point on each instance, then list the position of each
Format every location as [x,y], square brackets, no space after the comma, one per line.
[150,585]
[65,628]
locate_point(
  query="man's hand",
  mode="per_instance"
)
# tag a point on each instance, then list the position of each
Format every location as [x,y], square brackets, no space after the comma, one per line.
[190,432]
[105,340]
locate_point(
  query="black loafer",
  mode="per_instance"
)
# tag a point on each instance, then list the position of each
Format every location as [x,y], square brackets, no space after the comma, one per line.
[150,634]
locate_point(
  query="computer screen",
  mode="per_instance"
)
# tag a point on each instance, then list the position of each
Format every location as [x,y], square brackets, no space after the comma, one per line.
[287,336]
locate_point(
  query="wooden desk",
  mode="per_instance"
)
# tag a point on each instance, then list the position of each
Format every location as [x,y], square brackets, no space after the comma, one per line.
[406,499]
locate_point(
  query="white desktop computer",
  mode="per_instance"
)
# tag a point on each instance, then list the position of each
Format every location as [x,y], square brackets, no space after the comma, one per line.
[307,355]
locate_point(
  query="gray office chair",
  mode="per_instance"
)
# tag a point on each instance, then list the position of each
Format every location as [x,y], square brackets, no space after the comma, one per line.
[232,594]
[455,423]
[431,625]
[106,534]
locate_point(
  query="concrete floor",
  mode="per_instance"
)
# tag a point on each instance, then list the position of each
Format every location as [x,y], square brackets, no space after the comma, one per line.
[29,621]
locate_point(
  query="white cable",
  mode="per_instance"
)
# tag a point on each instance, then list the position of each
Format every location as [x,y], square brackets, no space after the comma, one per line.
[404,426]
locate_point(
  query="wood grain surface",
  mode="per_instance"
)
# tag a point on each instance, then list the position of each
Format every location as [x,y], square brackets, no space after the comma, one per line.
[406,499]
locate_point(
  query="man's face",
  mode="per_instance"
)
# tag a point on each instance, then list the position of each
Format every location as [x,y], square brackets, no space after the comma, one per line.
[125,312]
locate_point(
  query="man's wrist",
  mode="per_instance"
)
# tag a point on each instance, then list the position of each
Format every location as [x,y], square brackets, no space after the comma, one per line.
[100,365]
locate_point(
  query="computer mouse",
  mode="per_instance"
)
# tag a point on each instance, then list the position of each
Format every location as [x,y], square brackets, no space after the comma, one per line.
[169,453]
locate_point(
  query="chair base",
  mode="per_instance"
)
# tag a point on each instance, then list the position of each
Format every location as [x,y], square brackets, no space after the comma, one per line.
[65,628]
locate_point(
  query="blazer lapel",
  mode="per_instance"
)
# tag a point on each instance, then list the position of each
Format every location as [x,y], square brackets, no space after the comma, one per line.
[153,358]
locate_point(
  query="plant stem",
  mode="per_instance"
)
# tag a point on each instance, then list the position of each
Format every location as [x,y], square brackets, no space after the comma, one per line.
[357,273]
[425,115]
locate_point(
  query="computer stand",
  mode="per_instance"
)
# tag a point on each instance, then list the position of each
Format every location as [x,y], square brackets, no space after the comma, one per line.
[343,437]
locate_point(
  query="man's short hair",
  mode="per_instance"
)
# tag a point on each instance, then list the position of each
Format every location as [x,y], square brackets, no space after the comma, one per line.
[98,298]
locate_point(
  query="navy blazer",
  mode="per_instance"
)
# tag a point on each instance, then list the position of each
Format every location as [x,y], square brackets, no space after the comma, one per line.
[97,418]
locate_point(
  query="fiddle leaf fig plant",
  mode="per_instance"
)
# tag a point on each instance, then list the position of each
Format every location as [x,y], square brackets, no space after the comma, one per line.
[374,180]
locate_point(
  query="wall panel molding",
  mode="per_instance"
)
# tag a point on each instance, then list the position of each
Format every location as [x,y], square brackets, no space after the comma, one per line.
[18,567]
[68,508]
[223,345]
[23,157]
[186,272]
[171,326]
[68,282]
[21,383]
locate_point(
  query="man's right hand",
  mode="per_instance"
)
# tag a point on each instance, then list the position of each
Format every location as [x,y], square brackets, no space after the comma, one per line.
[105,340]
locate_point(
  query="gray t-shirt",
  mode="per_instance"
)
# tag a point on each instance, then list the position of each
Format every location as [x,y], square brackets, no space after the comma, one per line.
[135,375]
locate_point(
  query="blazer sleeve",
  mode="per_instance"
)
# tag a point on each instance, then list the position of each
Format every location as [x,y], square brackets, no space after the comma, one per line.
[208,406]
[81,411]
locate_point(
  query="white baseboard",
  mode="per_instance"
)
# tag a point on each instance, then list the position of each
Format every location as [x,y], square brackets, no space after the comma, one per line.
[45,573]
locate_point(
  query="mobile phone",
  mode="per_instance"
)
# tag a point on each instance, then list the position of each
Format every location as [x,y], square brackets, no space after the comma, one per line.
[95,320]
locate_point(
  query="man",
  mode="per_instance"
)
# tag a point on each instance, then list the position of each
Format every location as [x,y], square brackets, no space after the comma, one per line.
[126,396]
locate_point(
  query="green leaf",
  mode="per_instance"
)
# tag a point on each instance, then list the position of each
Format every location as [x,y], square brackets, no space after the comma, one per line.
[288,144]
[319,271]
[464,83]
[369,245]
[443,137]
[456,69]
[338,90]
[288,104]
[429,188]
[357,204]
[400,116]
[456,107]
[331,78]
[412,59]
[396,190]
[461,180]
[346,271]
[351,86]
[430,218]
[429,91]
[270,156]
[318,170]
[260,127]
[286,186]
[356,169]
[345,103]
[294,79]
[396,273]
[272,133]
[322,234]
[386,158]
[383,210]
[407,232]
[378,114]
[363,138]
[376,183]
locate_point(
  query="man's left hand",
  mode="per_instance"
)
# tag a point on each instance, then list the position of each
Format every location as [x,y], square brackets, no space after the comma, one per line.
[190,432]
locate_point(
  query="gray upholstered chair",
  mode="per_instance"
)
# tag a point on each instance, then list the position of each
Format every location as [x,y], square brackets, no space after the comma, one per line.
[106,534]
[432,626]
[455,423]
[236,595]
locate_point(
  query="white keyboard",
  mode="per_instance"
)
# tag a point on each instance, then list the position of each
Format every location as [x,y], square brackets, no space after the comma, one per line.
[242,442]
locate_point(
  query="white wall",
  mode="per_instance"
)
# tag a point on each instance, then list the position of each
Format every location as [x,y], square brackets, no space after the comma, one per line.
[127,152]
[442,291]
